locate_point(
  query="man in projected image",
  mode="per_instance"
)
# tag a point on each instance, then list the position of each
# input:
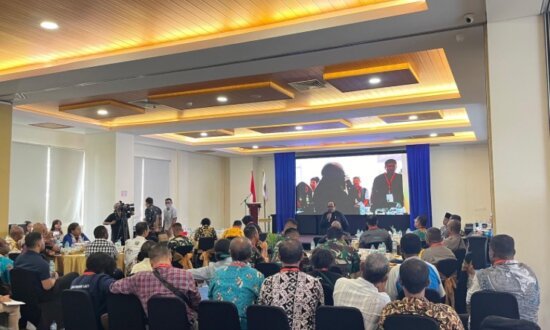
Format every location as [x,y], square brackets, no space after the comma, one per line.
[387,188]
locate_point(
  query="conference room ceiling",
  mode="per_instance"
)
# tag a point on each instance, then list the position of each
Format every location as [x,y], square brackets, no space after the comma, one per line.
[261,94]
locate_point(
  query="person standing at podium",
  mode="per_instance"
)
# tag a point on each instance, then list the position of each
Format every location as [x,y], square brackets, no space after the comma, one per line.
[332,215]
[387,188]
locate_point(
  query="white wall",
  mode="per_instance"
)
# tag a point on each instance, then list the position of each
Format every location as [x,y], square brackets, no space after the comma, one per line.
[460,182]
[520,143]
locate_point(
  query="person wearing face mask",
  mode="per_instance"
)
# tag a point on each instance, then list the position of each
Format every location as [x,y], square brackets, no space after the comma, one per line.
[170,216]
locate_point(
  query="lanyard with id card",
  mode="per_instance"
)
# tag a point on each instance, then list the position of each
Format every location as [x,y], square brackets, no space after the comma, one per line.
[389,195]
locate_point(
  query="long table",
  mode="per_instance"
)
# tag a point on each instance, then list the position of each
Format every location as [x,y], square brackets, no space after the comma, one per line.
[67,263]
[308,224]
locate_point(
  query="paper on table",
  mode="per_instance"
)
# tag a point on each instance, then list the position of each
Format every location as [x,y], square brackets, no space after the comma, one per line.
[13,303]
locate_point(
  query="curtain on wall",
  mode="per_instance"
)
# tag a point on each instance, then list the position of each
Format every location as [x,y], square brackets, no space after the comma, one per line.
[418,163]
[285,187]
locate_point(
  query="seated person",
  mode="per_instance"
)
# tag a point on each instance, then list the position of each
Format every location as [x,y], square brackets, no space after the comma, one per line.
[15,239]
[179,241]
[444,229]
[238,282]
[146,284]
[133,246]
[6,264]
[321,261]
[101,243]
[97,279]
[420,224]
[347,258]
[143,262]
[454,241]
[296,292]
[436,251]
[290,233]
[221,259]
[205,231]
[259,248]
[374,234]
[51,284]
[507,275]
[50,245]
[414,275]
[248,221]
[410,248]
[366,293]
[234,231]
[333,215]
[74,235]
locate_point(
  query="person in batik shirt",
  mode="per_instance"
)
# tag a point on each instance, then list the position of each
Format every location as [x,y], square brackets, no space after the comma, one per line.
[205,231]
[414,275]
[296,292]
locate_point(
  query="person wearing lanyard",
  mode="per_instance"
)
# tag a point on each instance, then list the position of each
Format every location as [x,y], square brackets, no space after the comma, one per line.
[387,188]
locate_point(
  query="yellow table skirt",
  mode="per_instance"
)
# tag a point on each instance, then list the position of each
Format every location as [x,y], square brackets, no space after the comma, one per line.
[68,263]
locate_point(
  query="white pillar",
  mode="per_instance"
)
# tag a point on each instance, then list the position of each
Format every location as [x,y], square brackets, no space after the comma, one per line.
[520,143]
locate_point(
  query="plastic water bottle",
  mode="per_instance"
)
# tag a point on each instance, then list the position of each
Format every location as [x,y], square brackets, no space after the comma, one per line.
[67,245]
[394,247]
[312,245]
[382,248]
[52,267]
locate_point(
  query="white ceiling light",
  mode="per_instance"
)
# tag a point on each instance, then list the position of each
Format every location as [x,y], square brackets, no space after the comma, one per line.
[102,112]
[413,117]
[221,99]
[49,25]
[375,81]
[204,134]
[299,128]
[255,147]
[433,135]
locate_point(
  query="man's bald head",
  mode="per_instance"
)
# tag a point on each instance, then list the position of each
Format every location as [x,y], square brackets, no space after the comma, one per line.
[240,249]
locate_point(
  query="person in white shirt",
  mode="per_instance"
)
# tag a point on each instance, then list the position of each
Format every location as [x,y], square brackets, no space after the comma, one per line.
[170,215]
[133,246]
[223,258]
[143,262]
[366,293]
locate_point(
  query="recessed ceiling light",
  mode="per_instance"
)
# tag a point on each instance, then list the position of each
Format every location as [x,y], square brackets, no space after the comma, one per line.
[433,135]
[413,117]
[49,25]
[189,104]
[375,81]
[204,134]
[255,147]
[102,112]
[222,99]
[299,128]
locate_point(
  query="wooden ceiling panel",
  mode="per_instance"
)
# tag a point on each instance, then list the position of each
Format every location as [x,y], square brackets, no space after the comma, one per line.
[409,117]
[207,133]
[104,109]
[315,126]
[371,77]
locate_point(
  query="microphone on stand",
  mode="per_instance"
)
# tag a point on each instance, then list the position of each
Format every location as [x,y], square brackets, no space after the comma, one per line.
[246,198]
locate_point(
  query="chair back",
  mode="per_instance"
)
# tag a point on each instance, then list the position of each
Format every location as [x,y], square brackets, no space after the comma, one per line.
[447,267]
[206,243]
[222,310]
[78,310]
[26,287]
[338,318]
[364,245]
[486,302]
[459,254]
[184,250]
[266,318]
[119,307]
[503,323]
[13,256]
[268,268]
[433,296]
[317,239]
[479,247]
[167,313]
[263,237]
[406,321]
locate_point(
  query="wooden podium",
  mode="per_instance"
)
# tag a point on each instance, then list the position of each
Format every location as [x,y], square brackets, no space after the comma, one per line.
[253,210]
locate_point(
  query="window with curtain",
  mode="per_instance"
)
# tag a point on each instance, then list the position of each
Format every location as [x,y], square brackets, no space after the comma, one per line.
[151,179]
[46,183]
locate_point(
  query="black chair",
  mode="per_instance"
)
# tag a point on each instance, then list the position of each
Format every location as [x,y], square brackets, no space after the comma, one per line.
[338,318]
[447,267]
[459,255]
[268,268]
[317,240]
[479,247]
[119,307]
[306,246]
[503,323]
[263,237]
[26,287]
[78,311]
[486,302]
[167,313]
[266,318]
[461,292]
[222,310]
[13,256]
[206,243]
[184,250]
[430,294]
[405,321]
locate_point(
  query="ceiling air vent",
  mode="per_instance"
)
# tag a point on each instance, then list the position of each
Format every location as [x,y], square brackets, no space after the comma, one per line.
[307,85]
[50,125]
[146,104]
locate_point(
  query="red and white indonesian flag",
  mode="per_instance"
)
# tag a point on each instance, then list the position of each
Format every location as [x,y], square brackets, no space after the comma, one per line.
[252,188]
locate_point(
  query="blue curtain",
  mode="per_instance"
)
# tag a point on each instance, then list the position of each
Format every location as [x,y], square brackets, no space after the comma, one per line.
[418,164]
[285,187]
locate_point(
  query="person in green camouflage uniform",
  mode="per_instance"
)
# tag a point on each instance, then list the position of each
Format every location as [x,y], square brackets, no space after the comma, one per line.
[291,233]
[347,258]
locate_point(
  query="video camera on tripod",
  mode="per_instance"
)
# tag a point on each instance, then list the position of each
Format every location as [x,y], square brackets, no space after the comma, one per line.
[128,210]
